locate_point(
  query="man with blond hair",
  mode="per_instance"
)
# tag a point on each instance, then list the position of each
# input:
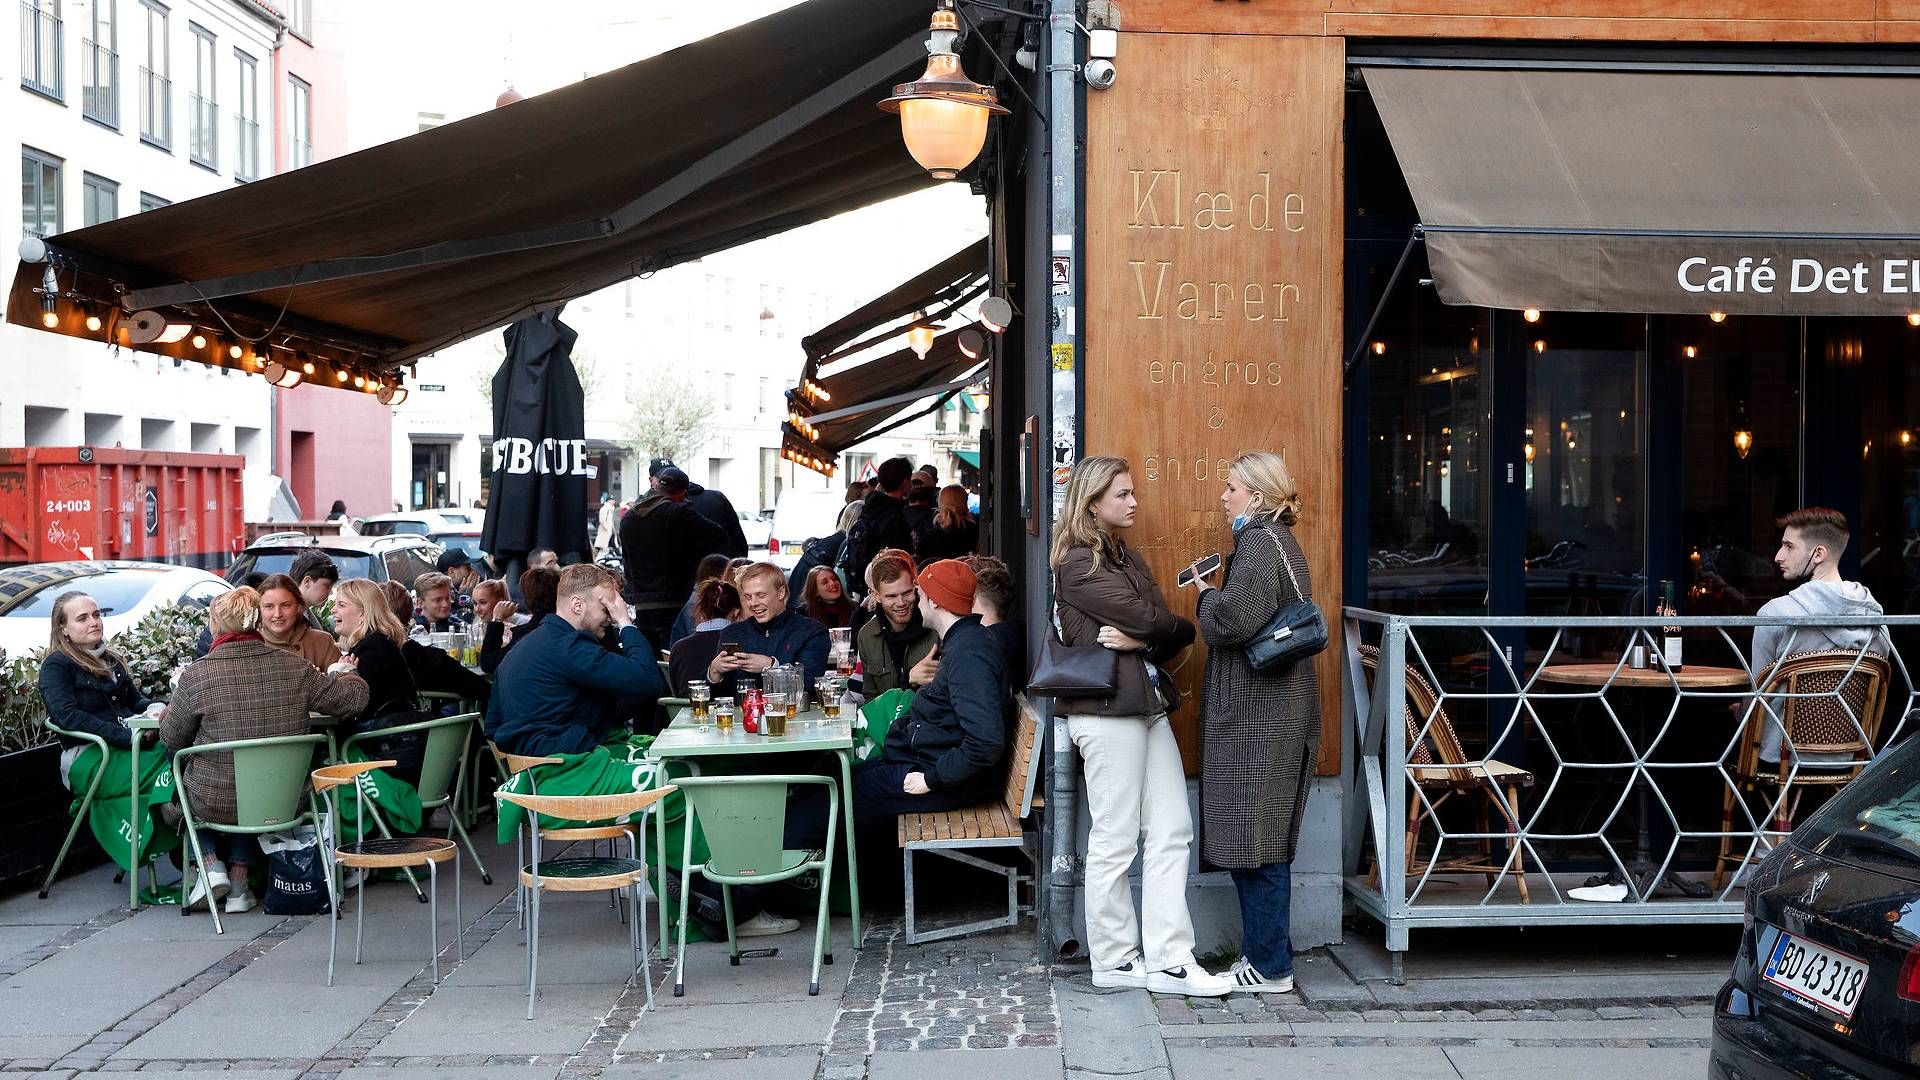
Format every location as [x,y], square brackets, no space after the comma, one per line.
[770,634]
[896,648]
[433,605]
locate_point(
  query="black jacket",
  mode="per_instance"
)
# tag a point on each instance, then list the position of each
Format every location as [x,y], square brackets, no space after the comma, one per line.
[717,508]
[919,521]
[882,524]
[80,701]
[956,734]
[494,648]
[433,670]
[937,543]
[390,685]
[819,551]
[663,542]
[789,637]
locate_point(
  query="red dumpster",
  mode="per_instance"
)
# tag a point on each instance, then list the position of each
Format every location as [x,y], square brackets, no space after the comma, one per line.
[59,503]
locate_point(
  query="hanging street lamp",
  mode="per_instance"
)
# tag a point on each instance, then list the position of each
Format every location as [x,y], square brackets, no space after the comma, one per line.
[943,114]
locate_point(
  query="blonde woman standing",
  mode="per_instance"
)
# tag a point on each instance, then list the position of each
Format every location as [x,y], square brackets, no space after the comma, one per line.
[1260,729]
[1136,785]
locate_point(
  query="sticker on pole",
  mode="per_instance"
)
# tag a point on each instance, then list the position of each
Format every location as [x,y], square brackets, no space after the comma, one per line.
[1062,275]
[1063,356]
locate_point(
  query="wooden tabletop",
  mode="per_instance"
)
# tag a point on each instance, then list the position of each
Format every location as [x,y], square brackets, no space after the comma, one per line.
[810,730]
[1690,676]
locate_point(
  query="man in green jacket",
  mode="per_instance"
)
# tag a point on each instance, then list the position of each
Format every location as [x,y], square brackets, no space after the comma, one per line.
[897,649]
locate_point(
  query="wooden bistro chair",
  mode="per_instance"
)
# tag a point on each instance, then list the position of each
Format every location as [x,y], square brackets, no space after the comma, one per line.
[443,770]
[383,853]
[1825,701]
[269,779]
[1441,768]
[588,874]
[511,765]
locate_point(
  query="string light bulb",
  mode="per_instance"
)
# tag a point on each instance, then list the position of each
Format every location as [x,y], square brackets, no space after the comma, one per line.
[342,375]
[93,323]
[235,351]
[199,341]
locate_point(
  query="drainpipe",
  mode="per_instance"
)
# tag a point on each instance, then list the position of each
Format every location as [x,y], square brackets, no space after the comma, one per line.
[1063,869]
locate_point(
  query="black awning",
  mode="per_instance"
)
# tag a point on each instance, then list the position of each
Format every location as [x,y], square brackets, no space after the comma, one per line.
[864,400]
[941,288]
[1662,192]
[411,246]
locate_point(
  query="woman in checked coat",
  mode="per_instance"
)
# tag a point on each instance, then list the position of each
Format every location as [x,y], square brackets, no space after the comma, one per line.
[1260,729]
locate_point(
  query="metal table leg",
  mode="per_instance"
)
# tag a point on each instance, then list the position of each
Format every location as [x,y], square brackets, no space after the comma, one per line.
[846,824]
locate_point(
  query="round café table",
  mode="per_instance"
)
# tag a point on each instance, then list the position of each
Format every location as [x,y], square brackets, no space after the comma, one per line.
[1689,677]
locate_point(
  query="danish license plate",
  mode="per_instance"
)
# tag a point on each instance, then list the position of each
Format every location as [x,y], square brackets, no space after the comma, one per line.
[1816,977]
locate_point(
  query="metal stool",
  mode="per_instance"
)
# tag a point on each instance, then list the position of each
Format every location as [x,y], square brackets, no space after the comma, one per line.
[382,854]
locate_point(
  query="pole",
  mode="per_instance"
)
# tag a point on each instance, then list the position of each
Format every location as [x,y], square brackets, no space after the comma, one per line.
[1063,168]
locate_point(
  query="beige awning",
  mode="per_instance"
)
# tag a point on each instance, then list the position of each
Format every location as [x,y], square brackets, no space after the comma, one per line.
[1662,192]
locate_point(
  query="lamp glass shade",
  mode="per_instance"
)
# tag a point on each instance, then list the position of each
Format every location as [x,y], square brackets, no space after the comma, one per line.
[920,339]
[943,135]
[174,332]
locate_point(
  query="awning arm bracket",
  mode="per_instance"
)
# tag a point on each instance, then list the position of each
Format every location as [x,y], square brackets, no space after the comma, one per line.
[708,169]
[1418,235]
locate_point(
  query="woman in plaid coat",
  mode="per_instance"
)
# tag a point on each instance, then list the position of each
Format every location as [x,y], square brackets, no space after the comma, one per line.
[1260,730]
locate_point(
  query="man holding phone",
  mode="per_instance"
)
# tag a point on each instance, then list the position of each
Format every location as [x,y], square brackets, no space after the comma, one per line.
[770,634]
[556,692]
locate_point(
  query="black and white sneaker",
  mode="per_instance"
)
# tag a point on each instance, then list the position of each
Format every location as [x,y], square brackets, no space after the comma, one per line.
[1248,980]
[1189,980]
[1131,975]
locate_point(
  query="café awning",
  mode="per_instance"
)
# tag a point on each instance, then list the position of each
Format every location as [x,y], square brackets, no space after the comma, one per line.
[383,256]
[873,397]
[938,290]
[1774,194]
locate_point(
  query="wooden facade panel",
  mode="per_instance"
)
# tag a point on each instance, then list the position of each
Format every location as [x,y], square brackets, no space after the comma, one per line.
[1214,219]
[1897,32]
[1622,20]
[1558,29]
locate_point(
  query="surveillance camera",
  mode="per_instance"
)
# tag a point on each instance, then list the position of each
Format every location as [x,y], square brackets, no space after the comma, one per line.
[1100,74]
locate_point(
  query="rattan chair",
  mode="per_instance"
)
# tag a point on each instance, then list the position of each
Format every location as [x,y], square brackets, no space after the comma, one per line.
[386,853]
[1827,702]
[1441,768]
[585,875]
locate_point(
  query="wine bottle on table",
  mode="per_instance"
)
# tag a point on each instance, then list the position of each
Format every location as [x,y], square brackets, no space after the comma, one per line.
[1670,641]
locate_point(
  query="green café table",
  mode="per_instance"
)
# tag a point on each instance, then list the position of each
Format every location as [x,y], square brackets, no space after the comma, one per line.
[810,731]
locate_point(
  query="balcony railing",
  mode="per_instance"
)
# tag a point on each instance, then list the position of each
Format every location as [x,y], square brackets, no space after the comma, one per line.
[40,39]
[100,95]
[246,149]
[156,109]
[203,142]
[1515,756]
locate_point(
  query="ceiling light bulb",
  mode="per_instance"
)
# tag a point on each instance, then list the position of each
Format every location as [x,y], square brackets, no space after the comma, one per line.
[1532,314]
[1717,316]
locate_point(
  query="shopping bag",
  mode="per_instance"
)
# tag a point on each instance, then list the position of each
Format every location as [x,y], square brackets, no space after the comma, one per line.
[296,873]
[880,713]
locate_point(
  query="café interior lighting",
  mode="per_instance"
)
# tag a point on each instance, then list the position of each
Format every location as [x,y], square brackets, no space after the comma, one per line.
[943,114]
[1539,345]
[1717,316]
[920,336]
[1379,348]
[1532,314]
[1690,352]
[1742,435]
[1913,318]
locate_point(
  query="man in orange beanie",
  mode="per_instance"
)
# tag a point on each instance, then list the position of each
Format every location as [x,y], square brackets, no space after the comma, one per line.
[949,751]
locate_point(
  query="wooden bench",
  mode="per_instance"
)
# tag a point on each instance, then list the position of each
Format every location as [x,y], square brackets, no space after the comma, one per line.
[996,824]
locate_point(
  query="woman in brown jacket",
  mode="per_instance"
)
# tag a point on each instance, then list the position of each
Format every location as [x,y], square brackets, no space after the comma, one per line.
[1136,787]
[243,688]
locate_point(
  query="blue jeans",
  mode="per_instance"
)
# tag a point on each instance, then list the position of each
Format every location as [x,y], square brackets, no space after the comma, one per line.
[1266,917]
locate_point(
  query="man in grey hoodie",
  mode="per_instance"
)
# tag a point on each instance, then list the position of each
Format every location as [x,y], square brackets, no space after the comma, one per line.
[1812,540]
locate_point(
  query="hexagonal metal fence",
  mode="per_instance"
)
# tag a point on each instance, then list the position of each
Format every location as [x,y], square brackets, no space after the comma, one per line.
[1445,831]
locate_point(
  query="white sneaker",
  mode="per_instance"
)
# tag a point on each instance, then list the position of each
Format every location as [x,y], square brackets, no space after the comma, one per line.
[765,924]
[241,901]
[1189,980]
[214,881]
[1131,975]
[1248,980]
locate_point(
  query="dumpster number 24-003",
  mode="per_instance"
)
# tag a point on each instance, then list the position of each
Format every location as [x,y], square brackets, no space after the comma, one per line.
[69,506]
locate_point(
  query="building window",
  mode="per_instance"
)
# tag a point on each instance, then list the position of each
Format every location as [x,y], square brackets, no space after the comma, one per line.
[102,198]
[203,144]
[300,19]
[765,385]
[150,201]
[299,123]
[40,47]
[156,81]
[100,95]
[39,192]
[726,392]
[246,118]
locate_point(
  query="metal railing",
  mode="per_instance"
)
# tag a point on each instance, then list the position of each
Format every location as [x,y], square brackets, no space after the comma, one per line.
[100,93]
[156,109]
[203,134]
[246,149]
[1492,763]
[40,52]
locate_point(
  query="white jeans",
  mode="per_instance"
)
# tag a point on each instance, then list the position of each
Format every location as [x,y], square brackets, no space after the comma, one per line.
[1137,797]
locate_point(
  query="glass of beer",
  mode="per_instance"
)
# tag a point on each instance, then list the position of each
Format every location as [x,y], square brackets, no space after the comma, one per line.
[777,714]
[700,699]
[828,691]
[843,662]
[723,713]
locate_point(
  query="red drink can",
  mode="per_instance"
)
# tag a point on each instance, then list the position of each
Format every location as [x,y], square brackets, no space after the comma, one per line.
[752,707]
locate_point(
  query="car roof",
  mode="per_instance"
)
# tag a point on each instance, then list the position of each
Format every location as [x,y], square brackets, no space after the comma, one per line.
[358,545]
[22,580]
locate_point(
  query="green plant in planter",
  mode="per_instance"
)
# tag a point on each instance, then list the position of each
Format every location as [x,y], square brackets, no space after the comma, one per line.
[20,704]
[159,645]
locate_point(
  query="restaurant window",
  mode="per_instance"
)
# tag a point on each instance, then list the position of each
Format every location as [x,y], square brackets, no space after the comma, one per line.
[246,117]
[39,192]
[203,109]
[299,123]
[150,201]
[156,80]
[40,51]
[101,198]
[100,63]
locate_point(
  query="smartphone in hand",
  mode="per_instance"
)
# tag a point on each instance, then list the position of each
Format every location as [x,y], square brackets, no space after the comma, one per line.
[1198,570]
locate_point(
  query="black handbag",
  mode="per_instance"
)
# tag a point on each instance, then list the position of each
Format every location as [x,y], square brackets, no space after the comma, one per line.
[1295,632]
[1074,671]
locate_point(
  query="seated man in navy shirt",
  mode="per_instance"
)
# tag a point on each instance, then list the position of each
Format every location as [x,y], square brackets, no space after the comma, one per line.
[556,691]
[769,635]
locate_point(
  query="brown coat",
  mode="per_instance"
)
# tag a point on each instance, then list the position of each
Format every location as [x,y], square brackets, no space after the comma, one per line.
[1260,730]
[1121,594]
[246,690]
[317,646]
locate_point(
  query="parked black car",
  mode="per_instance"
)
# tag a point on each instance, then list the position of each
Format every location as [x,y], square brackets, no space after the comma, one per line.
[1827,980]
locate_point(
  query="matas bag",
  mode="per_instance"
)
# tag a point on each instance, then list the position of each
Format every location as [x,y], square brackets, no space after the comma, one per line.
[296,873]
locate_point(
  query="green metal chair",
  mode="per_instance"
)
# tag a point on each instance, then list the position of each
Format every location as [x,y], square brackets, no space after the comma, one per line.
[80,817]
[467,804]
[443,770]
[744,819]
[269,782]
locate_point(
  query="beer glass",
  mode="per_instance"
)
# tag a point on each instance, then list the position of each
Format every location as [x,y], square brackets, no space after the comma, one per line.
[774,722]
[828,690]
[700,698]
[723,713]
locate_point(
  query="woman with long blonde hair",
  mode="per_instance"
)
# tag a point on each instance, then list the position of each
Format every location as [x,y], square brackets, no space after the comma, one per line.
[1260,729]
[371,636]
[1136,784]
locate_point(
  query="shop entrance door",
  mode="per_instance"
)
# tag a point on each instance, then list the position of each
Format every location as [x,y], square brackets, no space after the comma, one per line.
[432,463]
